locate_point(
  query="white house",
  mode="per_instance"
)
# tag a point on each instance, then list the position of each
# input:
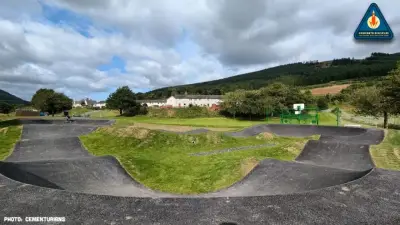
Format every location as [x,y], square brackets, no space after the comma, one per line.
[153,103]
[77,104]
[86,101]
[101,104]
[181,101]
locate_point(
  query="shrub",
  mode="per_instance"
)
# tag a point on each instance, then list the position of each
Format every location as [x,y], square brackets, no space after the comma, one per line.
[135,110]
[322,103]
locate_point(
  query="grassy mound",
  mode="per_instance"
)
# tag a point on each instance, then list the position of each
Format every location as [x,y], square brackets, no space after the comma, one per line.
[10,133]
[162,160]
[387,154]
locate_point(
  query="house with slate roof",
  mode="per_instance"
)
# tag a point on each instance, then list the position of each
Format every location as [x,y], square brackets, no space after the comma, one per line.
[182,101]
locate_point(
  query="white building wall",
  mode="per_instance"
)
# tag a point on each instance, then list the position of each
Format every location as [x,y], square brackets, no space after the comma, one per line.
[100,105]
[172,101]
[197,102]
[151,104]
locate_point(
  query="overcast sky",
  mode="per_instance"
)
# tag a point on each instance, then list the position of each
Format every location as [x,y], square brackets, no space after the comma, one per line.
[88,48]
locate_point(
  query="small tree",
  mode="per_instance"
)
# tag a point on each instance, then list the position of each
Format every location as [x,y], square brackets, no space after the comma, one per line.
[47,100]
[122,99]
[40,97]
[233,102]
[58,102]
[391,90]
[5,108]
[370,101]
[381,100]
[83,103]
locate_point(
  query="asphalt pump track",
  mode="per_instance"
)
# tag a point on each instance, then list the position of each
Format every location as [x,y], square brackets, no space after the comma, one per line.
[50,165]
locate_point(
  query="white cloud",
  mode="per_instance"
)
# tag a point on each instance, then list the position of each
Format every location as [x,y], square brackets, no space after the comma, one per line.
[231,37]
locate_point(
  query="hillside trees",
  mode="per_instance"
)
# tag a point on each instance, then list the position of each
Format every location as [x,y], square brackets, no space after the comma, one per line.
[295,74]
[47,100]
[123,99]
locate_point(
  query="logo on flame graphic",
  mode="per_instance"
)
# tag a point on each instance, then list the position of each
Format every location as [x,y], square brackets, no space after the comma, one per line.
[373,21]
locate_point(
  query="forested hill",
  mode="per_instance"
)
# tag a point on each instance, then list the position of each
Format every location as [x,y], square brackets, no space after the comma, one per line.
[299,74]
[11,99]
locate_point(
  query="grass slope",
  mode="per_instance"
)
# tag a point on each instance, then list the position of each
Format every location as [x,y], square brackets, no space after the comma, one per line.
[161,160]
[11,99]
[104,113]
[387,154]
[79,111]
[10,133]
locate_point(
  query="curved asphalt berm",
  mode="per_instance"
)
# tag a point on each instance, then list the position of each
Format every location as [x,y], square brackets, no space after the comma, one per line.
[332,181]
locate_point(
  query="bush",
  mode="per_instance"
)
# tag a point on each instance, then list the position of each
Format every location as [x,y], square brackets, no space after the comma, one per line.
[135,110]
[5,107]
[322,103]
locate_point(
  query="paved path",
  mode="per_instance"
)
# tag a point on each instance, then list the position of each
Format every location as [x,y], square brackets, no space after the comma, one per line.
[331,181]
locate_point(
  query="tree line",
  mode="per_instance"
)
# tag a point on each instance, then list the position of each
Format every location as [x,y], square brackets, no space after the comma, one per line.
[271,100]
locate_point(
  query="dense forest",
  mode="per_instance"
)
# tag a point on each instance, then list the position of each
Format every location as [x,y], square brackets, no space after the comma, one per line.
[294,74]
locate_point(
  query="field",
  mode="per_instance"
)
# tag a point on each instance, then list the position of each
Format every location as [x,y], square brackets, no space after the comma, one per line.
[334,89]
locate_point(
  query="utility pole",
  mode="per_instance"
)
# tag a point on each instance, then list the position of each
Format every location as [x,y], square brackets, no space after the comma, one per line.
[338,112]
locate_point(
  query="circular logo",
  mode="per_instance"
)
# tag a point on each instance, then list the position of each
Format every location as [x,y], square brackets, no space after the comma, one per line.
[373,21]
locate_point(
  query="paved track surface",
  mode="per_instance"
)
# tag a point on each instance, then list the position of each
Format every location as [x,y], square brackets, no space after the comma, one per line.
[337,155]
[332,180]
[39,149]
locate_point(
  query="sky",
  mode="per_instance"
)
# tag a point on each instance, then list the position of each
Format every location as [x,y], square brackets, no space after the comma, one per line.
[88,48]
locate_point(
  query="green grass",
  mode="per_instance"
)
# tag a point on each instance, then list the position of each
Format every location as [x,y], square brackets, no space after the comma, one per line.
[387,154]
[196,122]
[104,113]
[325,119]
[10,133]
[79,110]
[161,160]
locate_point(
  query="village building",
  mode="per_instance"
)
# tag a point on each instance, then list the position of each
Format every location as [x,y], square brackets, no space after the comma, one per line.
[177,101]
[84,103]
[183,101]
[100,104]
